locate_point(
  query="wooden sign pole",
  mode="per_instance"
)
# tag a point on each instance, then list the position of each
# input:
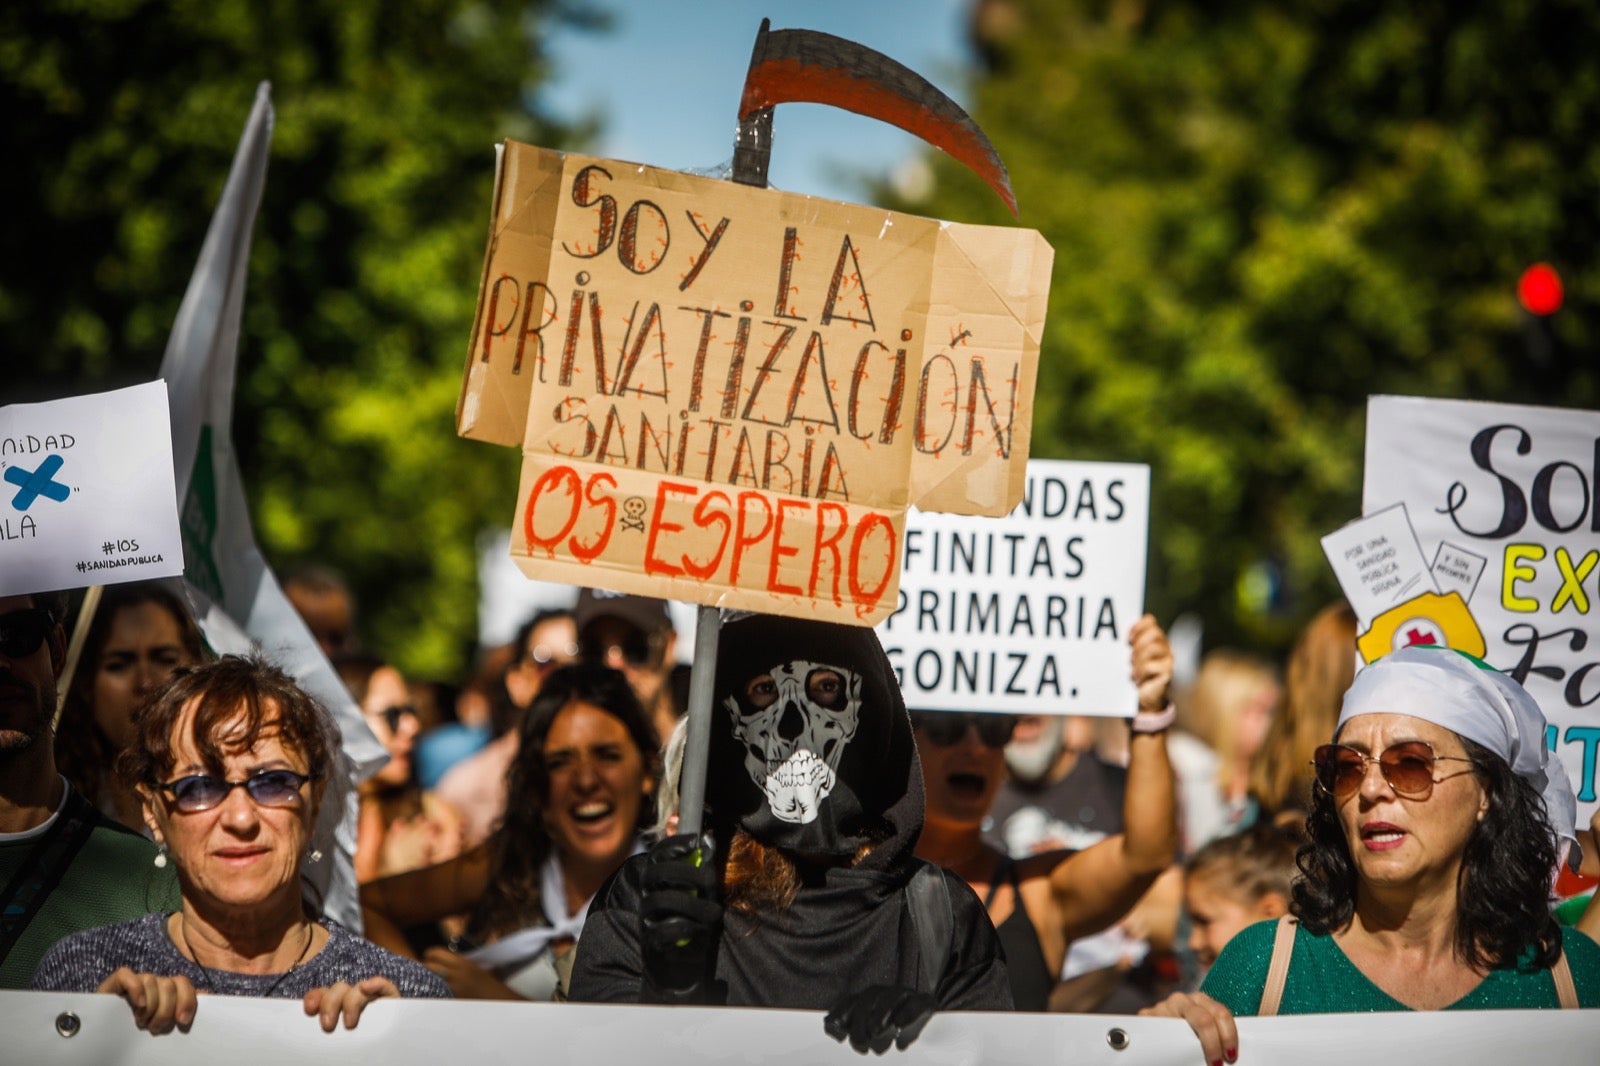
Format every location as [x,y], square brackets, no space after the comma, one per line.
[806,66]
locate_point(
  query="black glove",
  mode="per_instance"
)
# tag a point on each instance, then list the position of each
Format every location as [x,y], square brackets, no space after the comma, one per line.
[681,919]
[878,1016]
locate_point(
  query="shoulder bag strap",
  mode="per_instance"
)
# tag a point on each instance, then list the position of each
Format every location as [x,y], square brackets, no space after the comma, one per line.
[41,871]
[1278,969]
[1561,974]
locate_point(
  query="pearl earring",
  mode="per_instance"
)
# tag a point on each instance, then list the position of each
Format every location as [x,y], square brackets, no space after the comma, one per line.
[161,858]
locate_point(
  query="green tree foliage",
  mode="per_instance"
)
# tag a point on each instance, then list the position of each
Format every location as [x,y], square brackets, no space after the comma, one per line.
[1263,212]
[121,117]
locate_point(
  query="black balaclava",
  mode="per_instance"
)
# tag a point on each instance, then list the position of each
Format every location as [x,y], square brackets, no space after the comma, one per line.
[810,742]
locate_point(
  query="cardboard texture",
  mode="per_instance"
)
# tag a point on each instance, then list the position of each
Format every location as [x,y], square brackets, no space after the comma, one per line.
[729,395]
[990,288]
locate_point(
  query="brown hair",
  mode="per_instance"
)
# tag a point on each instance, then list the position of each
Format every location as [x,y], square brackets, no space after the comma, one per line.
[757,877]
[83,753]
[235,687]
[355,669]
[1254,862]
[760,877]
[1321,667]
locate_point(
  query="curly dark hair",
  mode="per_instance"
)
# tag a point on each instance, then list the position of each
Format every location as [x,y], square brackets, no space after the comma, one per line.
[1502,896]
[521,844]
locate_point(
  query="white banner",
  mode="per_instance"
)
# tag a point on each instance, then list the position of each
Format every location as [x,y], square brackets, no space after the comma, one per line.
[1503,502]
[86,495]
[405,1032]
[1026,614]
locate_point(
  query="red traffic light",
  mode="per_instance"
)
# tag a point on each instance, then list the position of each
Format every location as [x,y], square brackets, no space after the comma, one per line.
[1539,290]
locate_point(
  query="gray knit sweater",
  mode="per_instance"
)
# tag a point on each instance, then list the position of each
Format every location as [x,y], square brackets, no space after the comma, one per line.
[81,961]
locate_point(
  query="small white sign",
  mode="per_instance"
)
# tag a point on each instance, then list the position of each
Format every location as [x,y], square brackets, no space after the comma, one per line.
[1378,562]
[1026,614]
[86,491]
[1455,569]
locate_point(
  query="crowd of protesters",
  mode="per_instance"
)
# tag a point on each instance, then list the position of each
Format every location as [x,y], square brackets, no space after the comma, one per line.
[1236,843]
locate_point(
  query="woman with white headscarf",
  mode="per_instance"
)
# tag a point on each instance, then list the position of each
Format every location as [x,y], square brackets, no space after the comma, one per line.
[1437,824]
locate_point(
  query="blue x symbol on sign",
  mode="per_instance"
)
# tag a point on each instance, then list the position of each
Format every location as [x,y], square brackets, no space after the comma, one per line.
[40,482]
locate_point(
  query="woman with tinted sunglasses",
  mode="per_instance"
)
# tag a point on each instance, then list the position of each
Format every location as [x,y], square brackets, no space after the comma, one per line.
[1040,904]
[399,826]
[1438,821]
[230,759]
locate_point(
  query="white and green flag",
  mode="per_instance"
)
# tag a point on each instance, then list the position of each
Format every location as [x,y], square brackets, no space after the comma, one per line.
[237,601]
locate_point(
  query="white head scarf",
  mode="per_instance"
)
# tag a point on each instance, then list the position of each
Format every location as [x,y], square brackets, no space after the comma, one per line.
[1475,701]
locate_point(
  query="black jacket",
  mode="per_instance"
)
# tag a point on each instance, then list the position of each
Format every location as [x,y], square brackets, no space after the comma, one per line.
[851,927]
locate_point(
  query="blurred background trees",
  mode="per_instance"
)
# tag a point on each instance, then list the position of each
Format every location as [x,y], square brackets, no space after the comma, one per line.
[121,118]
[1262,213]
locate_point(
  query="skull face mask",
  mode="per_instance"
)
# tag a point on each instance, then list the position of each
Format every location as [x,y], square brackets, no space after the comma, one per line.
[811,748]
[794,723]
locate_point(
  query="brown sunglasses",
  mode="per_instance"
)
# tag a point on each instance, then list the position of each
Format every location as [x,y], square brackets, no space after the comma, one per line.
[1407,766]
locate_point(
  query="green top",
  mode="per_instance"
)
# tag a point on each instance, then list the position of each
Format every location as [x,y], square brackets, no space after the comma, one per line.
[1323,980]
[111,879]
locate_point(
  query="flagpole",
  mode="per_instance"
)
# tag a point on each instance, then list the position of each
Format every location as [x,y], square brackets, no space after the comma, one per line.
[80,637]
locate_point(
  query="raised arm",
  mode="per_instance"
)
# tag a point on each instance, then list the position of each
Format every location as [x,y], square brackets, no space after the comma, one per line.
[390,904]
[1098,885]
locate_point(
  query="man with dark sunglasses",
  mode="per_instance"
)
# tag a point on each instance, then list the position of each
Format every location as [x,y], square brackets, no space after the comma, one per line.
[63,865]
[634,634]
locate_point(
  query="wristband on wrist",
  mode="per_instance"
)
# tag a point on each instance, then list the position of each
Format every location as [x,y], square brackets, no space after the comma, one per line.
[1153,721]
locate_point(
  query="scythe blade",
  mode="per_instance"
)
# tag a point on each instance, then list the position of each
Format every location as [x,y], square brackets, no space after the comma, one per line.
[806,66]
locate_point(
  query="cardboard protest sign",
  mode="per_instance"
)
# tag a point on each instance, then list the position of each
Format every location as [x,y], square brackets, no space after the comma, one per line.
[729,395]
[86,492]
[1503,502]
[1029,614]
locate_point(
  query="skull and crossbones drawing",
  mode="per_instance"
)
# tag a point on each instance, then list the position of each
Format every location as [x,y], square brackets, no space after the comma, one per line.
[633,513]
[794,724]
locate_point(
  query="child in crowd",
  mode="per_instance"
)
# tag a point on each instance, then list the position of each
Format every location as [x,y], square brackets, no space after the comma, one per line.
[1239,880]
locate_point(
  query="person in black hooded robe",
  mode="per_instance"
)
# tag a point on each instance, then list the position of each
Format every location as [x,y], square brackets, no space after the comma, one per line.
[812,898]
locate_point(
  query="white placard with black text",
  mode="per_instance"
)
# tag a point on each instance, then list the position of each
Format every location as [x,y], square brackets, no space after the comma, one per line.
[1027,613]
[86,491]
